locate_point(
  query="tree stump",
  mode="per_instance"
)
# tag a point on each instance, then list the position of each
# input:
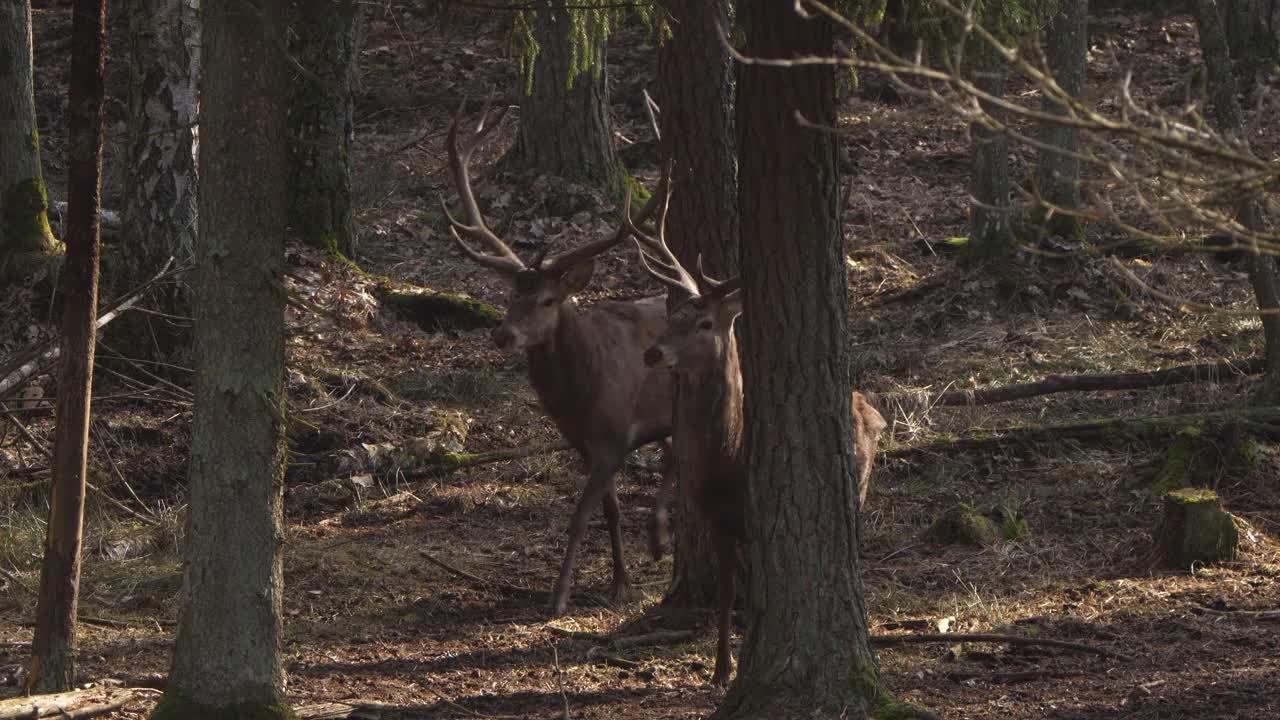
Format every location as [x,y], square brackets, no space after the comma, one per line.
[1194,529]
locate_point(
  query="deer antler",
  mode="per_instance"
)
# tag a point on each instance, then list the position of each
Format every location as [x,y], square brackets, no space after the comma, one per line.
[662,264]
[716,287]
[500,257]
[569,258]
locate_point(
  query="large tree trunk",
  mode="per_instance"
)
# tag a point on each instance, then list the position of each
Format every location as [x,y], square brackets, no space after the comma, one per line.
[1252,29]
[565,127]
[53,649]
[25,236]
[1229,118]
[160,195]
[695,75]
[806,651]
[320,124]
[227,652]
[1058,173]
[989,234]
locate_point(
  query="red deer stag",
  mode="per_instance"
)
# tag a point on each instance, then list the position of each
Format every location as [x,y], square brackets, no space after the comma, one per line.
[585,366]
[699,341]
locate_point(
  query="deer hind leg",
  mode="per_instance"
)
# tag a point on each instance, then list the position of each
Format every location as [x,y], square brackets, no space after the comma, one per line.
[659,522]
[620,592]
[726,561]
[599,485]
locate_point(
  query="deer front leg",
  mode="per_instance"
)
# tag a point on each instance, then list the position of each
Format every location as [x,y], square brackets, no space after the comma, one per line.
[620,592]
[599,484]
[726,560]
[659,532]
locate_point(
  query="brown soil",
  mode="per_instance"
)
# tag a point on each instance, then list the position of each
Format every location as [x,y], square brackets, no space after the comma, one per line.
[368,618]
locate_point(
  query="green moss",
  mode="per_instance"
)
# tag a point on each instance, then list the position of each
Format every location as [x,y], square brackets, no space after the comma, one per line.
[1190,460]
[175,706]
[1013,526]
[436,310]
[1195,529]
[961,525]
[24,225]
[890,708]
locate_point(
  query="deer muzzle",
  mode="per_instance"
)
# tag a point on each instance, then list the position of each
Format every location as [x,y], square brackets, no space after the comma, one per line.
[504,337]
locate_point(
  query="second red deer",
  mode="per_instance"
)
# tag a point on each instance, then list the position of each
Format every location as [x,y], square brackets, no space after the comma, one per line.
[699,341]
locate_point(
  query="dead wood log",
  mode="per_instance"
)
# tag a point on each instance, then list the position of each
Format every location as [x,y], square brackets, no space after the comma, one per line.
[74,705]
[1261,421]
[887,640]
[1203,372]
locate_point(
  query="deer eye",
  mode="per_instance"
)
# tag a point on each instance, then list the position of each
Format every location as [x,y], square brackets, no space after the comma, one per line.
[705,324]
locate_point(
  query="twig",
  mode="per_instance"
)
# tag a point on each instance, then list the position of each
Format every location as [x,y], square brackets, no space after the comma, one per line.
[458,461]
[491,584]
[555,660]
[1013,677]
[887,640]
[74,705]
[17,581]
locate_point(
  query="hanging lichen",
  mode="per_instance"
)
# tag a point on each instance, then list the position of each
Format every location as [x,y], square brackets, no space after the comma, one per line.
[589,29]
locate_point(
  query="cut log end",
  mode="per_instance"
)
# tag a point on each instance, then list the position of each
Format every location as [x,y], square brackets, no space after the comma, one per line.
[1194,530]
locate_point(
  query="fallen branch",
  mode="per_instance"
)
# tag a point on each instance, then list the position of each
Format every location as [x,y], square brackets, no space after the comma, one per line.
[369,710]
[1013,677]
[1251,614]
[658,637]
[74,705]
[490,584]
[1204,372]
[31,361]
[448,462]
[1261,421]
[887,640]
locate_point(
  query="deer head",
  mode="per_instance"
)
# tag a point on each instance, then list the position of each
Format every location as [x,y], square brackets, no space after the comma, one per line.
[539,288]
[700,326]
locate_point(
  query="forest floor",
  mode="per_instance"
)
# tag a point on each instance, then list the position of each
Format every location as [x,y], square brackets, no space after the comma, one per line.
[367,617]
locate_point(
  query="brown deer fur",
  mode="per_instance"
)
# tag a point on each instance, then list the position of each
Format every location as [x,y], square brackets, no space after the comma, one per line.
[585,365]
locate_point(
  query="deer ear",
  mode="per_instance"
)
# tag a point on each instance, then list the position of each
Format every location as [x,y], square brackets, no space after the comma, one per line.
[576,279]
[731,305]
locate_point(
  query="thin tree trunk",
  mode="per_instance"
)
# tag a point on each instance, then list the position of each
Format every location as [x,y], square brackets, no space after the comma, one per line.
[226,658]
[565,128]
[320,124]
[1229,118]
[1058,173]
[695,75]
[1252,29]
[989,234]
[24,204]
[160,199]
[806,652]
[54,645]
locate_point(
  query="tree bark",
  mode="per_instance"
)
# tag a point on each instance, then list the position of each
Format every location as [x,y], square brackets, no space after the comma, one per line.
[989,234]
[1229,118]
[226,656]
[54,645]
[1252,29]
[160,199]
[695,75]
[320,124]
[1058,173]
[24,204]
[565,128]
[806,651]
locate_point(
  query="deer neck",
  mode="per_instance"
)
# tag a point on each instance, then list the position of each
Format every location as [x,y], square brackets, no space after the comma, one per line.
[562,372]
[711,406]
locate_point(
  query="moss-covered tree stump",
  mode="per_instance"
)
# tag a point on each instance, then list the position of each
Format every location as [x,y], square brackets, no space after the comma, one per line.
[1199,455]
[433,310]
[1194,530]
[961,525]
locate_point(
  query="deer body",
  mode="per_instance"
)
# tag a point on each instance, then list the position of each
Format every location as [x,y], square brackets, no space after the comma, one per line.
[585,366]
[699,342]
